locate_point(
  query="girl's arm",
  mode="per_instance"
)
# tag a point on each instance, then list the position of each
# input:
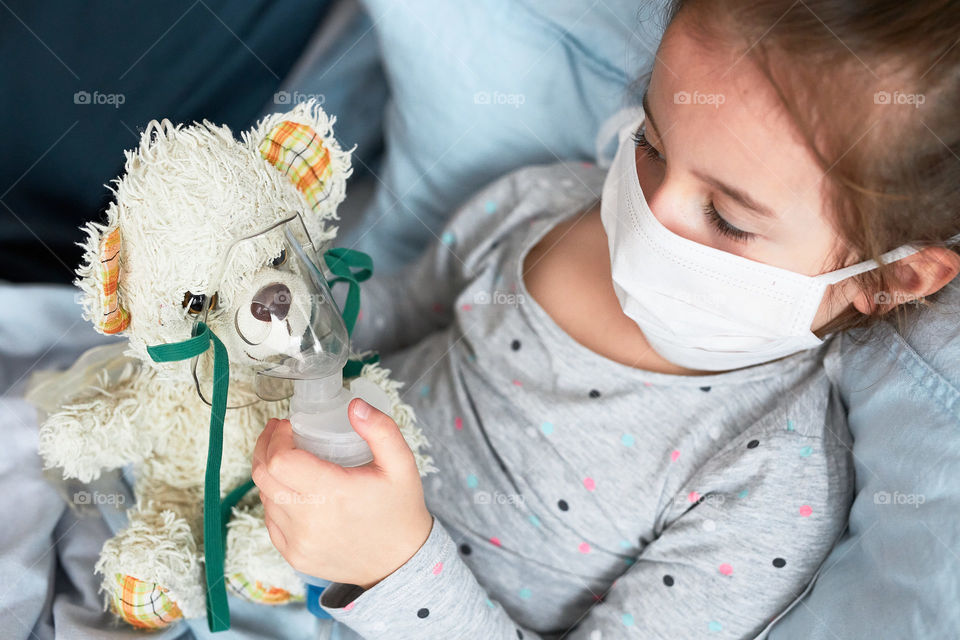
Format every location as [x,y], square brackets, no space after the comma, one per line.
[740,542]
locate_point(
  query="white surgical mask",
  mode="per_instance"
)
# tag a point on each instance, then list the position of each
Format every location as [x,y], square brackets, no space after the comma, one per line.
[700,307]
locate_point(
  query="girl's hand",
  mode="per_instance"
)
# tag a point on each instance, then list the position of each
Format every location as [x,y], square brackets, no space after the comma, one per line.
[355,525]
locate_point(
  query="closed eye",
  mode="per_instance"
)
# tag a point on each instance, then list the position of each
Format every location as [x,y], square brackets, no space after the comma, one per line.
[640,139]
[723,227]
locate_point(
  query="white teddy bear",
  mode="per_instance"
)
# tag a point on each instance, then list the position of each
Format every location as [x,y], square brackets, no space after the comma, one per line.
[186,195]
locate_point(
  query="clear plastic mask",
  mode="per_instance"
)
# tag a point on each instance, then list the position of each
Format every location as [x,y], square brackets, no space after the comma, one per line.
[274,312]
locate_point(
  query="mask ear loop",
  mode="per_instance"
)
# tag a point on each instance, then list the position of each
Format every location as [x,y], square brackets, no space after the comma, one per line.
[889,257]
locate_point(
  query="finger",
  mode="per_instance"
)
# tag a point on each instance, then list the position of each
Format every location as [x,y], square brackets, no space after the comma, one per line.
[271,488]
[281,439]
[277,512]
[305,473]
[390,450]
[293,468]
[260,450]
[276,535]
[269,485]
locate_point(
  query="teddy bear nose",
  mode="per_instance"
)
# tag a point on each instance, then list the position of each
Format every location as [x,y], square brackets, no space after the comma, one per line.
[272,301]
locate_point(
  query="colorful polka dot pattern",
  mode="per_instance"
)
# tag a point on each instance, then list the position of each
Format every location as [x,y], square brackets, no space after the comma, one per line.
[591,485]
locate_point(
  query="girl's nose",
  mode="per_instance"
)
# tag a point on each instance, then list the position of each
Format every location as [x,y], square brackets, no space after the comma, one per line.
[678,209]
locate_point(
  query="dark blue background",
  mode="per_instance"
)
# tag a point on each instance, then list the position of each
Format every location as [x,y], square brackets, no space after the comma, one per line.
[182,60]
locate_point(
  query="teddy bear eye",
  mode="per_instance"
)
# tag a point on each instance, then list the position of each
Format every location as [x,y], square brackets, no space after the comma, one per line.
[280,259]
[193,302]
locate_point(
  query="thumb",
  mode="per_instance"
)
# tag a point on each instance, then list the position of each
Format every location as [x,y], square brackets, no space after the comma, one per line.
[390,450]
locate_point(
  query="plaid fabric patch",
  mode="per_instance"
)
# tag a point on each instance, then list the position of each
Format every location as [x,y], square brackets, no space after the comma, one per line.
[297,151]
[257,592]
[144,605]
[115,318]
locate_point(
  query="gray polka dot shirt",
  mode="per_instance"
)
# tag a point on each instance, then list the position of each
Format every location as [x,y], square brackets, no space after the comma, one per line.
[577,497]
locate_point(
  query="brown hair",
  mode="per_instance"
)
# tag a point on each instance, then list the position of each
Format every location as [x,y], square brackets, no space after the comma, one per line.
[873,89]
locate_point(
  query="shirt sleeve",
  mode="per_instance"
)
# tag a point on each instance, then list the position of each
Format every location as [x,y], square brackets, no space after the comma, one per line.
[739,543]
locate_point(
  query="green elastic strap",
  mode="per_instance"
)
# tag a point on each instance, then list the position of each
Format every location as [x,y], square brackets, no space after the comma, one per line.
[214,512]
[355,365]
[353,267]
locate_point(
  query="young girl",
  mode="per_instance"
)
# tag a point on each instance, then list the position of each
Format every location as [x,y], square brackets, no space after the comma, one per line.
[629,400]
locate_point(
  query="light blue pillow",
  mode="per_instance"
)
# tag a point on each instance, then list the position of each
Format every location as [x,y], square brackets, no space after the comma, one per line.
[896,572]
[480,88]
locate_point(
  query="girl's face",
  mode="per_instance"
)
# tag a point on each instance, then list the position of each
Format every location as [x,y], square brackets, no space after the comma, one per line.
[720,164]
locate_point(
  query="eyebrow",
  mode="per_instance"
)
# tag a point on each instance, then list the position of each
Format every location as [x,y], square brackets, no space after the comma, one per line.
[738,196]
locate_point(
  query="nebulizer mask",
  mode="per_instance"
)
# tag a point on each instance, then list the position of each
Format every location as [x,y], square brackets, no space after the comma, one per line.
[281,318]
[274,315]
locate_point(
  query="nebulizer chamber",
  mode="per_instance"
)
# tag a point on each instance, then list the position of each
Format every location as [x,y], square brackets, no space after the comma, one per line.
[318,405]
[318,410]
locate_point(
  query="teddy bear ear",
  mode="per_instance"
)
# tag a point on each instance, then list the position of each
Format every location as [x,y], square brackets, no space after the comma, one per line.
[300,144]
[99,277]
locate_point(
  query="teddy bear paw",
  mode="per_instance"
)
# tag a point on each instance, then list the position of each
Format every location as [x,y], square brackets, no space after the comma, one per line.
[256,591]
[142,604]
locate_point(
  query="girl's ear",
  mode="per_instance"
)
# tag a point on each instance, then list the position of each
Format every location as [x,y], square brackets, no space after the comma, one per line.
[914,278]
[300,144]
[100,274]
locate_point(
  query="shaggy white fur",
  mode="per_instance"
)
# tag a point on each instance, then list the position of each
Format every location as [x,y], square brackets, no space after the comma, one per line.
[186,195]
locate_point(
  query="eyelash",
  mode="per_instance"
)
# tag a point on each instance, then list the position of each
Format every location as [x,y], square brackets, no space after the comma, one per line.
[641,141]
[723,227]
[718,222]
